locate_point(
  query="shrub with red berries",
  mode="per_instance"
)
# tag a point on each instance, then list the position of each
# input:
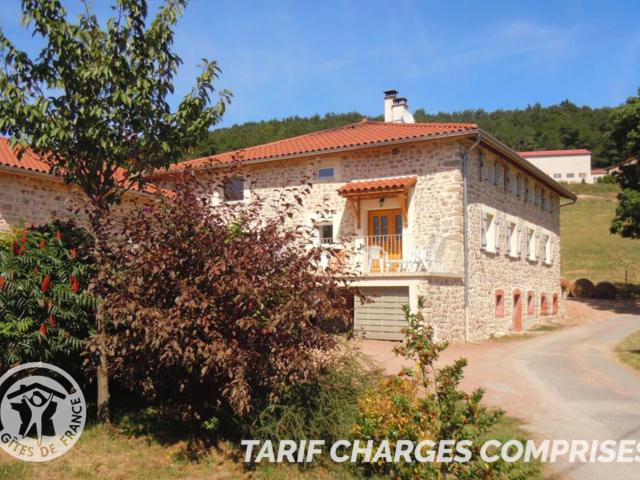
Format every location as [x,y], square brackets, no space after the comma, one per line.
[45,312]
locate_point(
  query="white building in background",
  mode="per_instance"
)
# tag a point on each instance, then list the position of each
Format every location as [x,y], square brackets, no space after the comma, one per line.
[572,166]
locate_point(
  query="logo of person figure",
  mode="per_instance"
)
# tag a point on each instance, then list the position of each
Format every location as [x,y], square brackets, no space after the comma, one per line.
[34,410]
[42,412]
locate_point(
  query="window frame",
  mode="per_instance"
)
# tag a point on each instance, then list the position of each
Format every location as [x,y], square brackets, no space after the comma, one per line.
[512,239]
[499,304]
[532,245]
[241,191]
[321,178]
[489,232]
[319,226]
[548,250]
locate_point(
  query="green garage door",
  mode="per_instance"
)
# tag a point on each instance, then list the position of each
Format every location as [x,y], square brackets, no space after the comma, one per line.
[383,319]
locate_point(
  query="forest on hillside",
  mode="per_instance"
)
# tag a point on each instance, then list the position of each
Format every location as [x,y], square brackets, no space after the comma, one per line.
[560,126]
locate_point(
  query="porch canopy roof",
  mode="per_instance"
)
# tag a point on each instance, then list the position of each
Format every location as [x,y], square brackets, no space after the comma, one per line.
[397,187]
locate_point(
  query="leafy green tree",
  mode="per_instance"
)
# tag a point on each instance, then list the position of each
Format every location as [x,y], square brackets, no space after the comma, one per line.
[46,314]
[624,135]
[93,103]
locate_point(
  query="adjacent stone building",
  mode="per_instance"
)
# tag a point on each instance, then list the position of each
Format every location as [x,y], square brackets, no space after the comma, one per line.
[30,195]
[444,212]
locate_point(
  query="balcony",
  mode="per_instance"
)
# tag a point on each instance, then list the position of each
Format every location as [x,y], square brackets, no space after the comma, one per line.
[402,255]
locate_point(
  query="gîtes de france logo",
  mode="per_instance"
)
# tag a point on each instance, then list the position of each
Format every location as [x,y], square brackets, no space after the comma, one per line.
[42,412]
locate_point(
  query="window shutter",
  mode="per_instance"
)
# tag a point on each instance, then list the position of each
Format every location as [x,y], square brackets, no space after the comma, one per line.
[498,236]
[483,229]
[507,239]
[480,167]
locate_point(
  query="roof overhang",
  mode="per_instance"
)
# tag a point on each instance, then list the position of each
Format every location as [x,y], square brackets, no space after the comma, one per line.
[486,139]
[394,187]
[495,145]
[315,153]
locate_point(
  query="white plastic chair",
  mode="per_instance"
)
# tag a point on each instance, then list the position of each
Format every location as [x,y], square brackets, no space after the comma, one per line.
[375,253]
[436,262]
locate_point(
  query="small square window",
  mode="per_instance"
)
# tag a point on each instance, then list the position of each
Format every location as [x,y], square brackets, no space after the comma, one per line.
[570,175]
[326,173]
[325,233]
[234,189]
[582,175]
[557,175]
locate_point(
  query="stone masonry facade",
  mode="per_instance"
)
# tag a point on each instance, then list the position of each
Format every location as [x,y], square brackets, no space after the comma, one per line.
[435,208]
[502,270]
[35,199]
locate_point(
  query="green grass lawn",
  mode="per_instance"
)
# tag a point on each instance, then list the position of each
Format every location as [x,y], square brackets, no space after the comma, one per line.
[112,453]
[587,247]
[629,350]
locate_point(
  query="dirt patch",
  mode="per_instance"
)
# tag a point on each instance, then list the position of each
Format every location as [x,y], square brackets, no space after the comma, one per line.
[585,311]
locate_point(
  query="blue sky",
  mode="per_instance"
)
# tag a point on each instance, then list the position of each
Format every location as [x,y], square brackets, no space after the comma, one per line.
[283,58]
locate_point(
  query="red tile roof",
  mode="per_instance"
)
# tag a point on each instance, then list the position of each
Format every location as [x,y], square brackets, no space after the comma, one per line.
[364,133]
[553,153]
[31,162]
[377,185]
[598,171]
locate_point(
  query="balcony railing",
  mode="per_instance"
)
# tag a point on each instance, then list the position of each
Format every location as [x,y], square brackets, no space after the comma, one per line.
[403,253]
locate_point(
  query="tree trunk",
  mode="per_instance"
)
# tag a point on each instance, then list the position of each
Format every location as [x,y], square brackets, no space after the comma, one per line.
[102,373]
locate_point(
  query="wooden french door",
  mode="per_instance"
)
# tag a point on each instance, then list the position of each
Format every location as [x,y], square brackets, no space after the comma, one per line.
[385,231]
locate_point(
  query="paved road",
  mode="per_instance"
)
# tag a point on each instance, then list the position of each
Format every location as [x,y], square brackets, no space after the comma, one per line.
[586,393]
[564,384]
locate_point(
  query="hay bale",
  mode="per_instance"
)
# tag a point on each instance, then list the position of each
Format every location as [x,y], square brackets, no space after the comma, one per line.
[606,290]
[582,288]
[565,285]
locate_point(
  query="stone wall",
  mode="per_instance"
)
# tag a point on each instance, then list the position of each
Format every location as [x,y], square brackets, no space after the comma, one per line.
[36,199]
[489,272]
[444,306]
[435,208]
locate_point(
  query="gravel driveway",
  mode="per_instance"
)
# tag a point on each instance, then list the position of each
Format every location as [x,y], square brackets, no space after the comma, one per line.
[564,384]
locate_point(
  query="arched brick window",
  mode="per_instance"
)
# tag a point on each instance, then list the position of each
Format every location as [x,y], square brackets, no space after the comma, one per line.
[544,307]
[555,304]
[499,303]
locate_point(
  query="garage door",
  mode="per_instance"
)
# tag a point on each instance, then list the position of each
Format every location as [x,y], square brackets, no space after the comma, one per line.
[383,319]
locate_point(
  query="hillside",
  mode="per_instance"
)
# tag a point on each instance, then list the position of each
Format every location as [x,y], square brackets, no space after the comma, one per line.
[534,128]
[587,247]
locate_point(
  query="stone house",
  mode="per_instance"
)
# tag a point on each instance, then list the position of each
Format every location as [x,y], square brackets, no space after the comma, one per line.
[30,195]
[441,211]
